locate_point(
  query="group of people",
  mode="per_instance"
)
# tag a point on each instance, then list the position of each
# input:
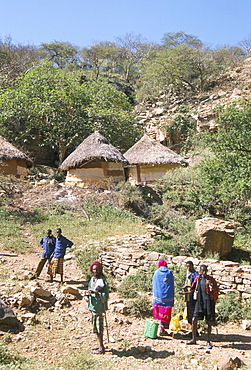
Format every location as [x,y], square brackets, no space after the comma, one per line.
[54,249]
[200,290]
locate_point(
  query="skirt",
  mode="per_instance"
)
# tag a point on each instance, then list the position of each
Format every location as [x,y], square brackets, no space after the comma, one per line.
[162,313]
[56,266]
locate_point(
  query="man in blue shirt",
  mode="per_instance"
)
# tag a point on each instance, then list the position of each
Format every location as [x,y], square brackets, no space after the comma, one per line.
[56,265]
[48,244]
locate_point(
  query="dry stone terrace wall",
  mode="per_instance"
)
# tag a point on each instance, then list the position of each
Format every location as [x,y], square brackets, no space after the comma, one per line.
[124,259]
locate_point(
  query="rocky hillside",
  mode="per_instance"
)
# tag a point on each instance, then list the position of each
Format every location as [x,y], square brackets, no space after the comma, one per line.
[234,84]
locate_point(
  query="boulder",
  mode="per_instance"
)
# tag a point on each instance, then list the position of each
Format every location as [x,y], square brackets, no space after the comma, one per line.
[28,318]
[230,363]
[215,235]
[246,324]
[71,290]
[39,292]
[7,316]
[26,300]
[119,308]
[45,303]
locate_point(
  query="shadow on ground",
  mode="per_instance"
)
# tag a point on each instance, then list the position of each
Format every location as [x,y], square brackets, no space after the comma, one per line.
[136,353]
[236,341]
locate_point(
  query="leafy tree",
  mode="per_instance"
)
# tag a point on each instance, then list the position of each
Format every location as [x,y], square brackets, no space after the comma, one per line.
[101,56]
[173,39]
[181,129]
[180,66]
[184,67]
[52,102]
[132,49]
[227,174]
[62,54]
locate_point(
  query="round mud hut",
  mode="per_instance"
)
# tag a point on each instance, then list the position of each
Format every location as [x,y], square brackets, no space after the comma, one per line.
[149,160]
[95,162]
[12,160]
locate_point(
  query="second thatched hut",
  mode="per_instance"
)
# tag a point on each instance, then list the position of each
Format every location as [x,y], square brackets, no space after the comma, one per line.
[12,160]
[149,160]
[94,162]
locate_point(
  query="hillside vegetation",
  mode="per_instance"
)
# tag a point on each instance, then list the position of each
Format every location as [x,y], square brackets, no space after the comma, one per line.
[193,98]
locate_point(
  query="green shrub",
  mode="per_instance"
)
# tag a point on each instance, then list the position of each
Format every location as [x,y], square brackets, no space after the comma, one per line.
[141,281]
[182,126]
[246,310]
[85,257]
[177,246]
[127,288]
[7,358]
[138,199]
[229,308]
[140,306]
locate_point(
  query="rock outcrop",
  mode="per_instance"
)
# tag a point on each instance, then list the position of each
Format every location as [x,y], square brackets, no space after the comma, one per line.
[215,235]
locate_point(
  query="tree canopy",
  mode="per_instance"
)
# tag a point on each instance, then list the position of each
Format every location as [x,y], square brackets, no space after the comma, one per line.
[64,110]
[227,174]
[62,54]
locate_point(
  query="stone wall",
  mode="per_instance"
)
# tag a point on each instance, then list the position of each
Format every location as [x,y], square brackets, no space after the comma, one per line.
[231,276]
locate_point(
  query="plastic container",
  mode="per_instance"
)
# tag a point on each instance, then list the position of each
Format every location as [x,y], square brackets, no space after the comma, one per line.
[151,328]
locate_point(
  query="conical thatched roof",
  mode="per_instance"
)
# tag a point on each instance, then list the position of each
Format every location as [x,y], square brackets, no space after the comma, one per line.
[94,147]
[150,151]
[9,151]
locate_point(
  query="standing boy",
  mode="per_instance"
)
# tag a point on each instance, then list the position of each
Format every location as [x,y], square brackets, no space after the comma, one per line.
[207,294]
[57,263]
[190,301]
[98,294]
[48,244]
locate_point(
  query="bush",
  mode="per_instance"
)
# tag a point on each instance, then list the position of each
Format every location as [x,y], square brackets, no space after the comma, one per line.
[140,307]
[7,358]
[142,281]
[246,310]
[179,236]
[127,288]
[139,199]
[229,308]
[85,257]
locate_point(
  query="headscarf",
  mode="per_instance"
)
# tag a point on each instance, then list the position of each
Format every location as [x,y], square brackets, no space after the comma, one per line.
[162,263]
[100,266]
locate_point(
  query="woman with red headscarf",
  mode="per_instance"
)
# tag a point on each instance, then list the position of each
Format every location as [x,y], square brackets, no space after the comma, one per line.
[163,295]
[98,294]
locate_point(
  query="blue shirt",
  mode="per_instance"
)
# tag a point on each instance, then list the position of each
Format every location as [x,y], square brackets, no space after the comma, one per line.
[48,244]
[61,244]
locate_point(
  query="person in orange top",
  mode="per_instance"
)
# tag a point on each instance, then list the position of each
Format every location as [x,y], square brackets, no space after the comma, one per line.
[206,289]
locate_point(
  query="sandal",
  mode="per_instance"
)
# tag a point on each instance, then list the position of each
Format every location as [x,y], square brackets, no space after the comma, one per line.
[98,352]
[191,342]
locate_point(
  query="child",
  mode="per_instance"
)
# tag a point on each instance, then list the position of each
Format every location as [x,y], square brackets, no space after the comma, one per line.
[98,294]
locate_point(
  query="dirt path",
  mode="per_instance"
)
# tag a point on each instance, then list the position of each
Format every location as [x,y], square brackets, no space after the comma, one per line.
[59,331]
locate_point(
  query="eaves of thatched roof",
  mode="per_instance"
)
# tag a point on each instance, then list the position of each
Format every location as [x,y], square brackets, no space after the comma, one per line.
[10,152]
[94,147]
[152,152]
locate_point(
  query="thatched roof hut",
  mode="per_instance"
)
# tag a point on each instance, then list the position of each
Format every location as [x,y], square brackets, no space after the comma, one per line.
[94,161]
[12,160]
[149,160]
